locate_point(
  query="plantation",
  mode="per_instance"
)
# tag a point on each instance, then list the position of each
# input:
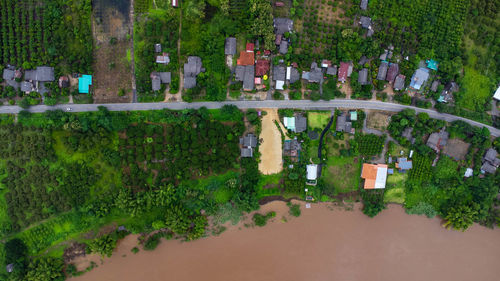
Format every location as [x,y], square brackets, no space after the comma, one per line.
[370,144]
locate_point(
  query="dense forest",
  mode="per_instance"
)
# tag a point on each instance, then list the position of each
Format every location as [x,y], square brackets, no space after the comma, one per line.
[54,32]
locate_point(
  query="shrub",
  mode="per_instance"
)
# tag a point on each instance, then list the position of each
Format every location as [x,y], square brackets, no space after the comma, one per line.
[422,208]
[135,250]
[261,220]
[153,241]
[294,209]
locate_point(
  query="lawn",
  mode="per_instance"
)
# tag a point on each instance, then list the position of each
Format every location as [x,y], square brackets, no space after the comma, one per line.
[318,120]
[394,190]
[269,185]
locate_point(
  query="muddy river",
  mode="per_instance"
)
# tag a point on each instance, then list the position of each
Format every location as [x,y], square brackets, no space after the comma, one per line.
[322,244]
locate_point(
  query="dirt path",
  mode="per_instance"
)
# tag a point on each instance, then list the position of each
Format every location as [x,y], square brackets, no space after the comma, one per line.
[271,161]
[324,243]
[132,61]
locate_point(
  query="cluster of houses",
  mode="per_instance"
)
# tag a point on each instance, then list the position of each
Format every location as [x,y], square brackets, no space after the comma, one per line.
[158,78]
[375,175]
[344,121]
[247,145]
[34,79]
[490,161]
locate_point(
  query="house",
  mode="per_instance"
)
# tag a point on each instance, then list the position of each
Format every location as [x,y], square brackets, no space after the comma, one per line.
[230,46]
[363,77]
[175,3]
[165,77]
[282,25]
[300,123]
[312,174]
[316,74]
[261,67]
[382,70]
[246,58]
[284,47]
[399,82]
[246,74]
[294,75]
[375,176]
[435,85]
[163,59]
[289,123]
[157,48]
[468,173]
[332,70]
[63,82]
[404,164]
[155,81]
[84,83]
[497,94]
[291,148]
[26,86]
[419,78]
[392,72]
[279,38]
[438,140]
[279,75]
[191,69]
[248,143]
[8,74]
[344,71]
[343,125]
[41,74]
[363,5]
[365,22]
[490,161]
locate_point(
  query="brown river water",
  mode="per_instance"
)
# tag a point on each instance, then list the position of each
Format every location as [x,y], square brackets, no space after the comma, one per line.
[324,243]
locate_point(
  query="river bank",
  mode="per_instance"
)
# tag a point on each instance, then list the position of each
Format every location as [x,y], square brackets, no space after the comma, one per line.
[324,243]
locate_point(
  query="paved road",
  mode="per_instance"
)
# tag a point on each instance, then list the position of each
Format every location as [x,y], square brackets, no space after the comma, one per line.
[300,104]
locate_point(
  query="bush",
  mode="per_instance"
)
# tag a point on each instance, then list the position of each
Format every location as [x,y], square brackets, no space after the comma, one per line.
[153,241]
[422,208]
[278,96]
[315,96]
[294,209]
[261,220]
[135,250]
[373,202]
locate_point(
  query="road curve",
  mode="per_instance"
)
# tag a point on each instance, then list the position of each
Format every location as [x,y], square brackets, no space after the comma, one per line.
[300,104]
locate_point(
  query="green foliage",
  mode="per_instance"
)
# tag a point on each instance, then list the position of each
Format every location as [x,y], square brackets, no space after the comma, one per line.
[153,241]
[294,209]
[422,208]
[261,220]
[135,250]
[370,144]
[103,245]
[421,168]
[45,269]
[373,202]
[460,217]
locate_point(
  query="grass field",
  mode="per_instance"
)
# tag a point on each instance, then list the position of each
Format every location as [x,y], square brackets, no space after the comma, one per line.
[394,190]
[342,174]
[476,89]
[318,120]
[269,185]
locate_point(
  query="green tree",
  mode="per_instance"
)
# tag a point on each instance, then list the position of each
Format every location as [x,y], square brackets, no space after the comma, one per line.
[45,269]
[460,217]
[103,245]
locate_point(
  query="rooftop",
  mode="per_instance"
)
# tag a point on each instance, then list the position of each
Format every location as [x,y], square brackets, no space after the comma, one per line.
[279,73]
[363,76]
[399,82]
[282,25]
[230,46]
[262,67]
[438,140]
[419,78]
[84,83]
[392,72]
[375,175]
[246,58]
[382,70]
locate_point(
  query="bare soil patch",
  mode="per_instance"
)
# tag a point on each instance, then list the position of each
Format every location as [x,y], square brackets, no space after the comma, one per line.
[345,89]
[456,148]
[378,120]
[111,31]
[270,149]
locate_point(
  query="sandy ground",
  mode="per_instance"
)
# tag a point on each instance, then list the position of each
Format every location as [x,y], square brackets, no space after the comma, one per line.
[378,120]
[346,89]
[324,243]
[271,161]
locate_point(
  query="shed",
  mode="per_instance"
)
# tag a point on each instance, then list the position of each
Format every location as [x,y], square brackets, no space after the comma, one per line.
[230,46]
[399,82]
[84,83]
[158,48]
[163,59]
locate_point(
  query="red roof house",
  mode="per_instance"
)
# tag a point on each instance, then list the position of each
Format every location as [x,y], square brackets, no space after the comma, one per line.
[262,67]
[246,58]
[344,68]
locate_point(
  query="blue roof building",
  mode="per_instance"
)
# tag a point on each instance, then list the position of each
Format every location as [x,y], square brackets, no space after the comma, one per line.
[432,64]
[419,78]
[403,164]
[84,83]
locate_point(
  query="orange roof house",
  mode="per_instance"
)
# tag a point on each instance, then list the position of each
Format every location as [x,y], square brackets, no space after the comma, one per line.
[246,58]
[375,175]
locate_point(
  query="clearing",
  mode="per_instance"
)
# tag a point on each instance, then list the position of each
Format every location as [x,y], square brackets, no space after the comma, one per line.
[111,30]
[456,149]
[378,120]
[342,173]
[271,161]
[394,191]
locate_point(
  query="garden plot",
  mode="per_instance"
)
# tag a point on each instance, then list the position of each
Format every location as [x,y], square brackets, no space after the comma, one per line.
[112,79]
[378,120]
